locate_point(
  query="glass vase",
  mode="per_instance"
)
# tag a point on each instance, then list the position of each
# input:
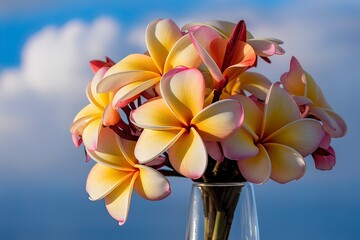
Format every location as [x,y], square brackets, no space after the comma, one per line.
[222,211]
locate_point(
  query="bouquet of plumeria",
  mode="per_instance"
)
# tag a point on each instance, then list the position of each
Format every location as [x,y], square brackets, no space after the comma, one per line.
[190,107]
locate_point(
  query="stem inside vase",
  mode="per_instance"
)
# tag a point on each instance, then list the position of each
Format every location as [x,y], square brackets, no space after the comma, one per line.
[219,204]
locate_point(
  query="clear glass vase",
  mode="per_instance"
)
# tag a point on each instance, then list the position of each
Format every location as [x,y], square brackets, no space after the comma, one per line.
[222,211]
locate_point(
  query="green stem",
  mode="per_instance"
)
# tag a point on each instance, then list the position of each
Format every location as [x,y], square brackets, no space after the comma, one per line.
[219,228]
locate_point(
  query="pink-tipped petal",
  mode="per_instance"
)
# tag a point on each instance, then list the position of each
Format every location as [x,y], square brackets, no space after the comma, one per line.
[155,114]
[118,201]
[188,155]
[253,116]
[152,143]
[280,109]
[224,28]
[256,169]
[91,134]
[287,164]
[240,145]
[333,123]
[183,91]
[294,81]
[262,47]
[218,120]
[202,38]
[102,180]
[150,184]
[80,124]
[303,135]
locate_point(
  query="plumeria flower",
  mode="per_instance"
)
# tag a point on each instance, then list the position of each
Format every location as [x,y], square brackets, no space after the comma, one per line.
[273,143]
[167,49]
[263,47]
[89,122]
[117,172]
[226,59]
[179,124]
[301,84]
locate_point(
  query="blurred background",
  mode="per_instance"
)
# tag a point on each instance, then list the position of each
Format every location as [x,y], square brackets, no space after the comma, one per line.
[45,47]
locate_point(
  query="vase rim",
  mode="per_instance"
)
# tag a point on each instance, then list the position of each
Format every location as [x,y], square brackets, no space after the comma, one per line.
[224,184]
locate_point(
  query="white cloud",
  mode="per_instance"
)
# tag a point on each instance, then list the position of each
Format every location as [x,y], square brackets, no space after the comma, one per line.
[39,99]
[55,59]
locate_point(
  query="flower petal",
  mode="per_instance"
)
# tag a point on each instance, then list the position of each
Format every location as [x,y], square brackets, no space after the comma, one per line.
[151,184]
[156,115]
[218,120]
[214,150]
[294,81]
[88,111]
[188,155]
[253,116]
[110,116]
[240,145]
[161,36]
[99,100]
[287,164]
[91,133]
[102,180]
[262,47]
[184,92]
[303,135]
[243,58]
[119,79]
[256,169]
[182,54]
[108,151]
[315,94]
[134,67]
[201,38]
[255,83]
[129,92]
[134,61]
[280,109]
[224,28]
[333,123]
[152,143]
[118,201]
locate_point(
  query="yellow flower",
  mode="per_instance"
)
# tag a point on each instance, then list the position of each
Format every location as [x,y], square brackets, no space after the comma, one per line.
[167,49]
[273,142]
[301,84]
[177,122]
[88,123]
[118,172]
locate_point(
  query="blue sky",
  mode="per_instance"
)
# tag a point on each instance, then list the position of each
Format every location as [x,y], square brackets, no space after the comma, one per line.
[44,52]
